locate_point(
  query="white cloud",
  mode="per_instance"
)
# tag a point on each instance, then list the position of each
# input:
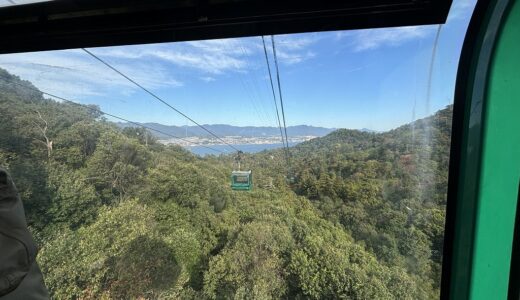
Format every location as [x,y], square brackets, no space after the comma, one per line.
[209,62]
[294,58]
[229,46]
[216,57]
[207,78]
[73,74]
[296,41]
[370,39]
[292,49]
[212,56]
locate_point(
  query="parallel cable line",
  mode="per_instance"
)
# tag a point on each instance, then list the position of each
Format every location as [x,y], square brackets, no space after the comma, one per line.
[279,90]
[281,99]
[254,86]
[245,85]
[108,114]
[158,98]
[272,89]
[248,92]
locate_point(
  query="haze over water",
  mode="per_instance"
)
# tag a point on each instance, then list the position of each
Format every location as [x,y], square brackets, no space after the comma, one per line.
[250,148]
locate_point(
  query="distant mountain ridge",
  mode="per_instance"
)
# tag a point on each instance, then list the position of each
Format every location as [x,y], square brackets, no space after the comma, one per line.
[229,130]
[434,131]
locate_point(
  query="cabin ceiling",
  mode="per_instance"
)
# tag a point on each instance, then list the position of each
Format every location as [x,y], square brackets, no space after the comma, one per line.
[53,25]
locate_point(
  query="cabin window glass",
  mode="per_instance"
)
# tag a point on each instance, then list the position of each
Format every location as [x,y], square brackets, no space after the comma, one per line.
[241,179]
[129,200]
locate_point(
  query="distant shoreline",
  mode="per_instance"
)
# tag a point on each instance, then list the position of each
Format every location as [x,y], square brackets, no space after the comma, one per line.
[248,148]
[195,141]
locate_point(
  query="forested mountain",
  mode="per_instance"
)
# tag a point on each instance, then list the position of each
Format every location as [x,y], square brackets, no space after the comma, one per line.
[117,217]
[229,130]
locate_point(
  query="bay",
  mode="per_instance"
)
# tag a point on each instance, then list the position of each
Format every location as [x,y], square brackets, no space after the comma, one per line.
[249,148]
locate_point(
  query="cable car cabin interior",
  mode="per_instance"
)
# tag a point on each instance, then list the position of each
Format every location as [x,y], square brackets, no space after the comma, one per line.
[242,180]
[481,246]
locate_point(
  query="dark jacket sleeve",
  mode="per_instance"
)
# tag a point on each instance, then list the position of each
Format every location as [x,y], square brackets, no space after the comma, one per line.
[20,276]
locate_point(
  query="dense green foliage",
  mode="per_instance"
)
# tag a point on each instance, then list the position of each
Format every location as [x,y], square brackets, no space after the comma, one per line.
[119,216]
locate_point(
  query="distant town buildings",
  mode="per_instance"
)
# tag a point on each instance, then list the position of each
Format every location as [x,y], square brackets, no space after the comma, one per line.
[234,140]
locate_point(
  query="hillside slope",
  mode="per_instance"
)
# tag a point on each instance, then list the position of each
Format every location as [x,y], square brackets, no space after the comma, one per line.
[117,217]
[387,189]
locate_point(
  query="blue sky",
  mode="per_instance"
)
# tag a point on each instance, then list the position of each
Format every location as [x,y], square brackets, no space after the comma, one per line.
[372,79]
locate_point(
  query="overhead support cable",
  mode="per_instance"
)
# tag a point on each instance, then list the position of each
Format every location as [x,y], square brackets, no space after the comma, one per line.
[281,98]
[254,85]
[274,94]
[107,114]
[158,98]
[246,88]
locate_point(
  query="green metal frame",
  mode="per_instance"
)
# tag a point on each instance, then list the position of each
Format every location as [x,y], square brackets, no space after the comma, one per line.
[485,161]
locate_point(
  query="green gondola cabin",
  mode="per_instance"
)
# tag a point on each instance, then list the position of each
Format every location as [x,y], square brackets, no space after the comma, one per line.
[242,180]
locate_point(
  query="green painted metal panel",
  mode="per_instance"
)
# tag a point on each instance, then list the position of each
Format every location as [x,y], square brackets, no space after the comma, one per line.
[485,162]
[500,166]
[466,153]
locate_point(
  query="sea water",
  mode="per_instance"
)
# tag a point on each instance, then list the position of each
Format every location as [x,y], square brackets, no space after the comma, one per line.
[250,148]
